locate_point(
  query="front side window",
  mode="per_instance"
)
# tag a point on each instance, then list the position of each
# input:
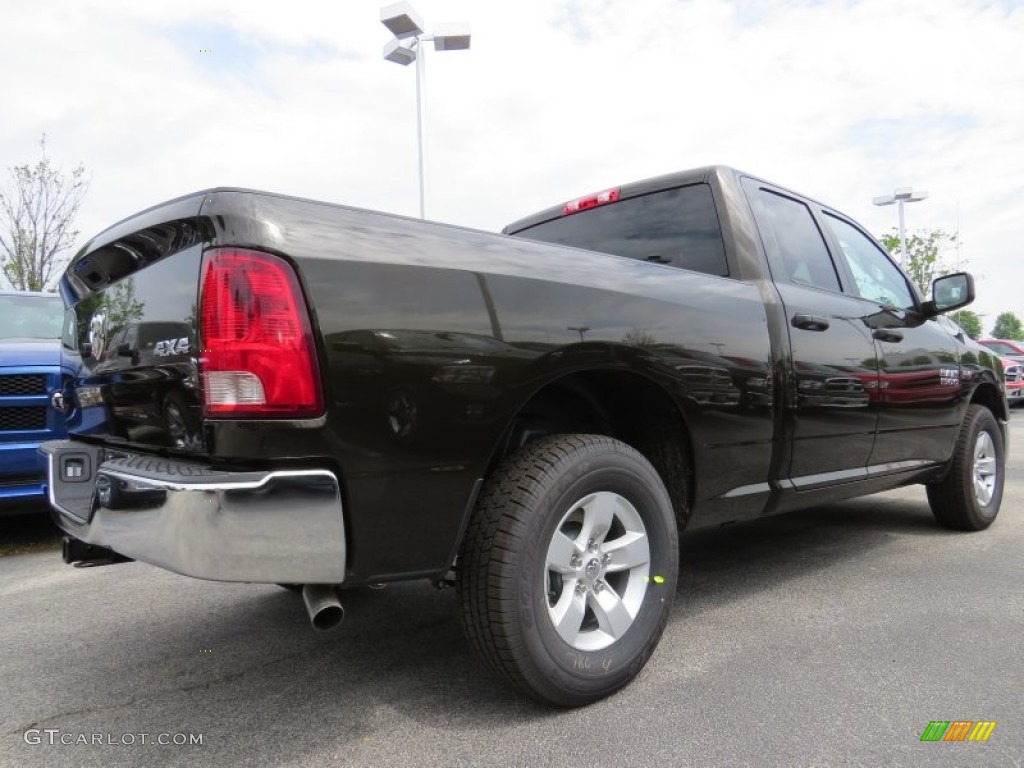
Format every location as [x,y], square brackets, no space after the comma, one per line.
[793,241]
[875,277]
[675,226]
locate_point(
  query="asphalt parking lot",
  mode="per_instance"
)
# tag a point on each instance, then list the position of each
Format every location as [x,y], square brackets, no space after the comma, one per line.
[827,637]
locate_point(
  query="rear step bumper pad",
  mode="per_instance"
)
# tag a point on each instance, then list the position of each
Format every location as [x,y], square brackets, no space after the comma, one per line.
[277,526]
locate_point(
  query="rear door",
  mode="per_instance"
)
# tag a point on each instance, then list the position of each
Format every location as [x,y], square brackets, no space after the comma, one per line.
[833,375]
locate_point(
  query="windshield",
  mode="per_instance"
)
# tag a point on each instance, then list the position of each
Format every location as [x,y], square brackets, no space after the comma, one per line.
[31,317]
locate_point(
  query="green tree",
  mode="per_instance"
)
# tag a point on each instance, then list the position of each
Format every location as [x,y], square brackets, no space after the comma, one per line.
[1008,327]
[925,258]
[121,305]
[639,338]
[969,321]
[37,215]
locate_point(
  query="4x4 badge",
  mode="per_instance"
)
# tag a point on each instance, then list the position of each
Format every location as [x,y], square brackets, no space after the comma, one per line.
[169,347]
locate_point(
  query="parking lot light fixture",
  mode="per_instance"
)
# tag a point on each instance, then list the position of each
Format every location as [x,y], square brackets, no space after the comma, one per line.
[899,196]
[401,20]
[407,47]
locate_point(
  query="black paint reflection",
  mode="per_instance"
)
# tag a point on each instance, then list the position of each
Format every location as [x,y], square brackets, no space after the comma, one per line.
[137,338]
[117,494]
[415,384]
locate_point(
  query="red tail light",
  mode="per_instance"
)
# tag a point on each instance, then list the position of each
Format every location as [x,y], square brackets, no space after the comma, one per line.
[257,357]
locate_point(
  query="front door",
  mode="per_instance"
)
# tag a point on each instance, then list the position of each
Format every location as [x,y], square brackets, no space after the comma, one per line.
[919,403]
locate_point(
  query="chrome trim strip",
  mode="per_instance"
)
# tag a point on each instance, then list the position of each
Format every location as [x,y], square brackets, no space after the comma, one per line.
[240,485]
[898,466]
[859,473]
[747,490]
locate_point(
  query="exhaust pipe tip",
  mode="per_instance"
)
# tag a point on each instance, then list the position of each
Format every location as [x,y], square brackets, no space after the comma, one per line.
[322,605]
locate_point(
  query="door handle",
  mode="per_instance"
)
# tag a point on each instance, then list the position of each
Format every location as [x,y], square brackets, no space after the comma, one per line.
[810,322]
[887,334]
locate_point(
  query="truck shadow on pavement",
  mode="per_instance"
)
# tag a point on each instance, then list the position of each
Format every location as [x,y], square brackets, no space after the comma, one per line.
[719,565]
[27,529]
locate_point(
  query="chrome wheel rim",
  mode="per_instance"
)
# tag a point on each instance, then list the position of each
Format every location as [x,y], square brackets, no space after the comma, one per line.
[985,468]
[597,571]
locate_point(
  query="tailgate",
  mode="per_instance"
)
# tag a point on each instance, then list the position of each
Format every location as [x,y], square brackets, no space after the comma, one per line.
[133,293]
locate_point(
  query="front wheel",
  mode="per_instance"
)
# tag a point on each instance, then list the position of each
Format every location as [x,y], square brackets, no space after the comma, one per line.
[568,570]
[968,498]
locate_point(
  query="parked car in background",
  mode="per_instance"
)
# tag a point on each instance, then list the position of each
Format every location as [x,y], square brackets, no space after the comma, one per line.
[1005,349]
[30,373]
[1013,373]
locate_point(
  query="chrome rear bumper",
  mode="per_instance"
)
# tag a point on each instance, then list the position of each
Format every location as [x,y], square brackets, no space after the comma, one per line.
[282,526]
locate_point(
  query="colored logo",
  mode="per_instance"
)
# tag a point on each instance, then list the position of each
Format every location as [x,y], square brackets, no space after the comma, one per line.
[958,730]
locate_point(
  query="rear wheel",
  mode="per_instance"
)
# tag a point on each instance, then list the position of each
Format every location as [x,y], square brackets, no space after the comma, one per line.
[968,498]
[568,570]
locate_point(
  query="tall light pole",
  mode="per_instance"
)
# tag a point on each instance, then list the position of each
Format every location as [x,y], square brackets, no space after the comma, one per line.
[407,46]
[899,196]
[580,329]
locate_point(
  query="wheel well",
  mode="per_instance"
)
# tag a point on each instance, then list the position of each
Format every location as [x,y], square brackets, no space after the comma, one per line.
[988,396]
[622,405]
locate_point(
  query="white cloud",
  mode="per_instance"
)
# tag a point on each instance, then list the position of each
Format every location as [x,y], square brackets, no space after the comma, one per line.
[839,99]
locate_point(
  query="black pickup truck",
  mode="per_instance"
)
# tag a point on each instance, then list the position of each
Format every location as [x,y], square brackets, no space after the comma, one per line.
[345,398]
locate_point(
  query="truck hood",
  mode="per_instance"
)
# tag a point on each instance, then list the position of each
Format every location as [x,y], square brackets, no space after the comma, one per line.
[19,352]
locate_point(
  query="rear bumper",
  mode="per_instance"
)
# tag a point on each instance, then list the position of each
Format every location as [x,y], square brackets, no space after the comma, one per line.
[264,526]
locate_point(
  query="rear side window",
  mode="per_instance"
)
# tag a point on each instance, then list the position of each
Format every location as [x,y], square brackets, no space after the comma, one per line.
[676,226]
[793,241]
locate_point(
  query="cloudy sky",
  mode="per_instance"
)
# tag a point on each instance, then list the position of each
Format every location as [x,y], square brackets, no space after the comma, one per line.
[839,99]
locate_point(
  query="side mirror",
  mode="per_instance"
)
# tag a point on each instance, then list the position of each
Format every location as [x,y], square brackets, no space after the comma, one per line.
[124,350]
[951,292]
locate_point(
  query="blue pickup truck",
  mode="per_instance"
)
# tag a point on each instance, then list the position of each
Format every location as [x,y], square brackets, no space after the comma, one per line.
[30,372]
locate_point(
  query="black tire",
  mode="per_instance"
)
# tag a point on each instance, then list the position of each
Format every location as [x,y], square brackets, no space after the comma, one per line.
[968,498]
[530,510]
